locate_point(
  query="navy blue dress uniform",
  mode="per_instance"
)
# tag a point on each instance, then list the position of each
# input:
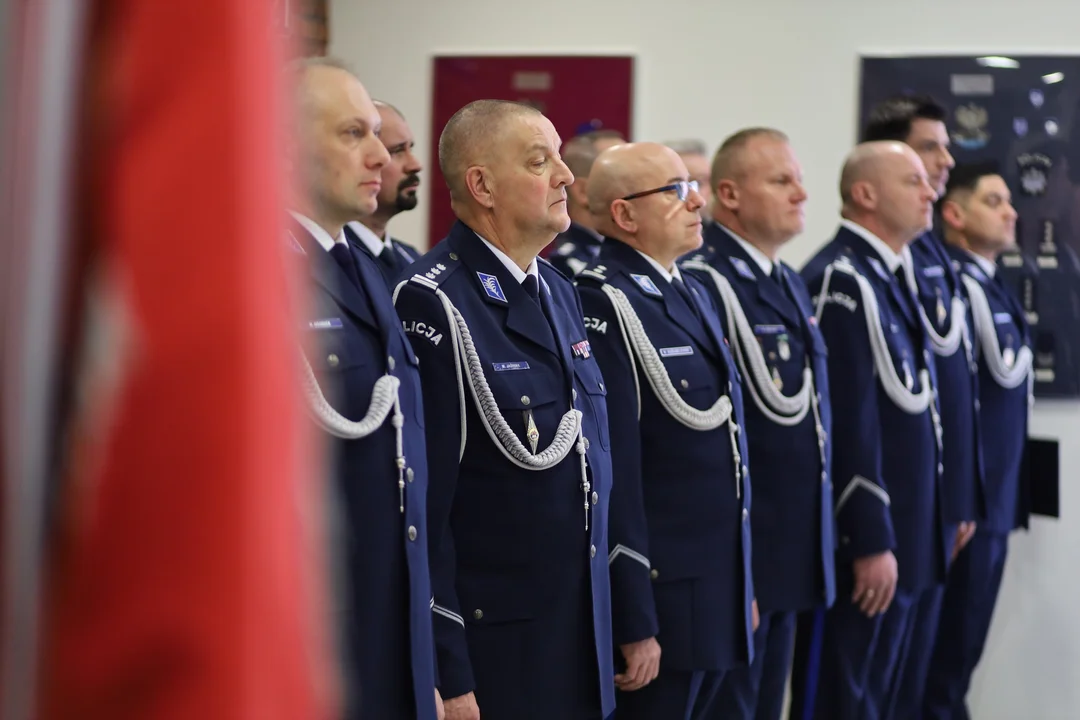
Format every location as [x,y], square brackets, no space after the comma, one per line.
[355,339]
[887,466]
[522,598]
[1003,352]
[573,250]
[680,542]
[392,258]
[792,516]
[944,314]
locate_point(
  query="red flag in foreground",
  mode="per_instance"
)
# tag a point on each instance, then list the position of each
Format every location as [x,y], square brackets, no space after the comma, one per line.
[182,574]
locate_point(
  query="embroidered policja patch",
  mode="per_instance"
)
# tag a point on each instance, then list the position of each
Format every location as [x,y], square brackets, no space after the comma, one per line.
[491,286]
[647,285]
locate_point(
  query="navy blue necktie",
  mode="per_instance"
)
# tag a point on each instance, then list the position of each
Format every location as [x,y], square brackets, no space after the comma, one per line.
[687,296]
[343,256]
[532,287]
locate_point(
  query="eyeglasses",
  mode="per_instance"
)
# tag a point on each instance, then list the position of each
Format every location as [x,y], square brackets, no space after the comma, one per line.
[682,190]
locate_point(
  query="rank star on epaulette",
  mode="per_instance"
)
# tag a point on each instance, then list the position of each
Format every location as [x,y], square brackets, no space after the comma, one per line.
[581,349]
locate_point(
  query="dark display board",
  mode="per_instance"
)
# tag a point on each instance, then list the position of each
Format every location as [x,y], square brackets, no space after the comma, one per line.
[1022,112]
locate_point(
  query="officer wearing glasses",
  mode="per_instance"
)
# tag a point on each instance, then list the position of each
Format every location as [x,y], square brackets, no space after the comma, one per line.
[680,531]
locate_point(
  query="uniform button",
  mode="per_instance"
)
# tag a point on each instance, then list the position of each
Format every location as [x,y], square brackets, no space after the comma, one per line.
[573,393]
[601,386]
[595,498]
[745,470]
[845,540]
[729,387]
[410,475]
[684,383]
[824,477]
[390,362]
[978,405]
[592,551]
[654,573]
[525,400]
[745,514]
[333,360]
[940,469]
[412,532]
[478,614]
[453,256]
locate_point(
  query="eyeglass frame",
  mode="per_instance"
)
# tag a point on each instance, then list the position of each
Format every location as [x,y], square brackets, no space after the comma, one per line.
[690,185]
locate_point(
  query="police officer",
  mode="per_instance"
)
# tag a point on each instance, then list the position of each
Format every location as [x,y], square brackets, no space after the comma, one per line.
[517,428]
[580,244]
[400,183]
[758,207]
[680,530]
[886,431]
[920,122]
[364,385]
[980,223]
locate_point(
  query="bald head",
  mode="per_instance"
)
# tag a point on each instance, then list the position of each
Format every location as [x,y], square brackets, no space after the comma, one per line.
[626,169]
[661,221]
[869,162]
[884,188]
[472,135]
[338,153]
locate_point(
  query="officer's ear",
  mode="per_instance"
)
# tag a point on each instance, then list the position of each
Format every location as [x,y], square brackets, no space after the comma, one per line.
[727,194]
[480,185]
[952,213]
[864,195]
[622,212]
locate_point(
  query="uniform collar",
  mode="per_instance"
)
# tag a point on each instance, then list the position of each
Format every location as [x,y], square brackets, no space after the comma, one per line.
[320,235]
[664,272]
[893,260]
[985,265]
[756,255]
[510,265]
[371,241]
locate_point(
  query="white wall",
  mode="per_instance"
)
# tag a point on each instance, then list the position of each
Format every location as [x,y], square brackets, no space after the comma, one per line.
[708,67]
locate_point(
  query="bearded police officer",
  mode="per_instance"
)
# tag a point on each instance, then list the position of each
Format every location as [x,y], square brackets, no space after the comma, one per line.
[758,207]
[517,432]
[682,591]
[400,182]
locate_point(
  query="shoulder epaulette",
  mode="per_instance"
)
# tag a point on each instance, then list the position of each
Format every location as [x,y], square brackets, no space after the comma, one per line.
[435,274]
[597,273]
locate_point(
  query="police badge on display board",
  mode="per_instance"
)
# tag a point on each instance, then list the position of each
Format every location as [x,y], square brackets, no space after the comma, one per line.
[1021,112]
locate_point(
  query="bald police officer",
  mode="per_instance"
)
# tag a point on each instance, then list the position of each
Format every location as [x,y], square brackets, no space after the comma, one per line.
[893,544]
[517,433]
[920,123]
[366,395]
[682,591]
